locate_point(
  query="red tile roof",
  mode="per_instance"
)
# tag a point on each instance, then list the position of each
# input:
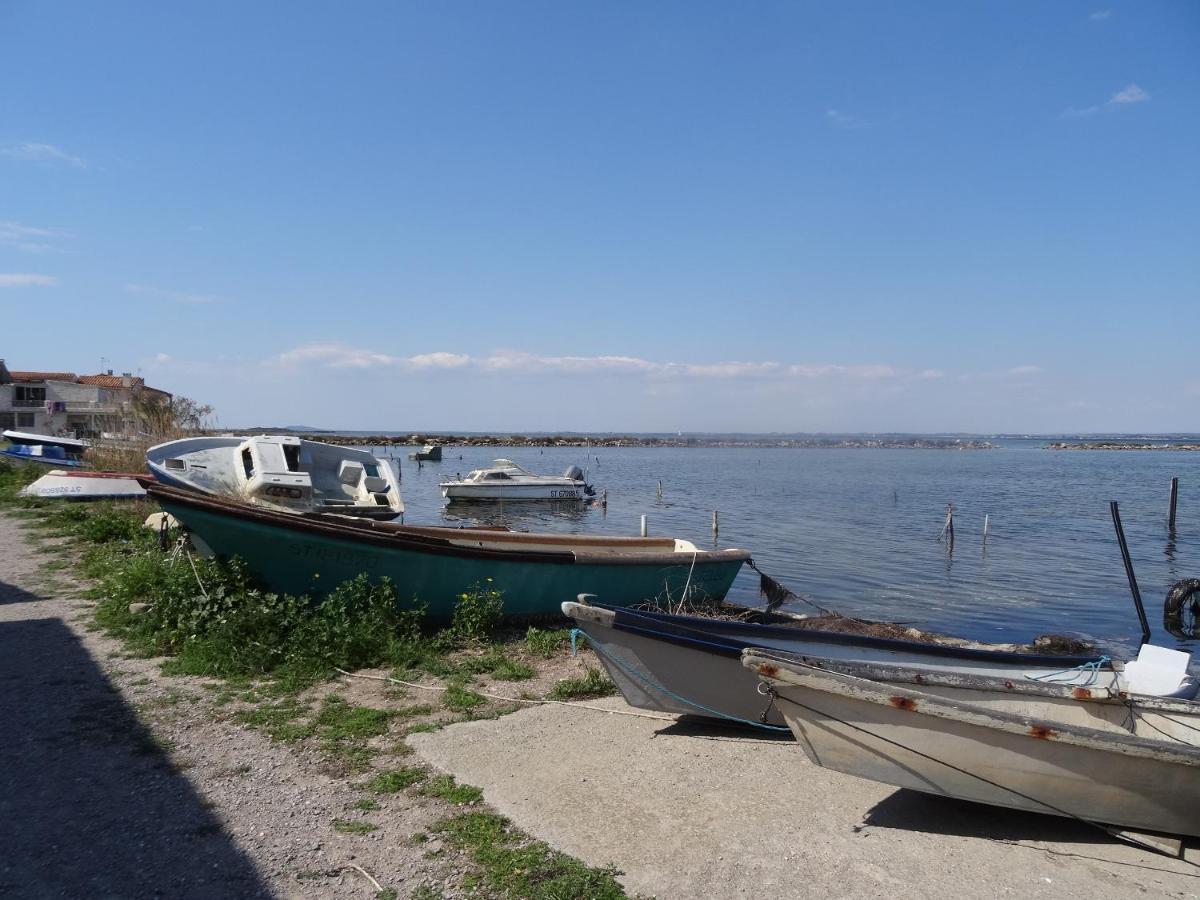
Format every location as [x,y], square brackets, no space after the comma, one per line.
[42,376]
[112,381]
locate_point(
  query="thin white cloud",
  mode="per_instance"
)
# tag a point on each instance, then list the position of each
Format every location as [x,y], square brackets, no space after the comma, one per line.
[1129,94]
[840,119]
[161,358]
[31,151]
[438,360]
[332,355]
[26,279]
[172,296]
[1100,15]
[337,355]
[1025,370]
[26,237]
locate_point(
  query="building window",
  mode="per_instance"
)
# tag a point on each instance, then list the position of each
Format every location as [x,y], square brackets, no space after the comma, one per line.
[8,420]
[26,396]
[24,420]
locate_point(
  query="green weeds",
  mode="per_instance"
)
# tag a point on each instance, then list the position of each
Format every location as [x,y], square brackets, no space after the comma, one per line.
[478,611]
[594,684]
[395,780]
[547,644]
[445,788]
[353,826]
[461,699]
[513,866]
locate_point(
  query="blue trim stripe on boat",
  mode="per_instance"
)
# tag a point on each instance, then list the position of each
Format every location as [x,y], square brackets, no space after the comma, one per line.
[698,632]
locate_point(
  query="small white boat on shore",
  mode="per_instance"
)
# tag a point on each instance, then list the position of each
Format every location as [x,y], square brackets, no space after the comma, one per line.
[281,472]
[1099,751]
[505,480]
[44,449]
[67,485]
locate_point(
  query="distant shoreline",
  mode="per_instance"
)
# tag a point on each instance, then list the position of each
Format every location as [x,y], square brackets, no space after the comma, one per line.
[447,440]
[1117,445]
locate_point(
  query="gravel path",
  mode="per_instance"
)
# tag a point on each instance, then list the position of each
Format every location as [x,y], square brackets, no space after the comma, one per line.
[117,781]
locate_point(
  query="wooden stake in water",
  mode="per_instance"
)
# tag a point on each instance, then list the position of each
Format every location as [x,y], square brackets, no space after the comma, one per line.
[985,527]
[948,528]
[660,489]
[716,524]
[643,526]
[1174,500]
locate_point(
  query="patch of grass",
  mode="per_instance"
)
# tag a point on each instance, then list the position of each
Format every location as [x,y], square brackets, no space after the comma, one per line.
[594,684]
[344,730]
[366,804]
[386,894]
[354,826]
[445,788]
[278,720]
[547,644]
[425,892]
[409,712]
[339,720]
[423,727]
[395,780]
[513,866]
[477,611]
[513,670]
[461,699]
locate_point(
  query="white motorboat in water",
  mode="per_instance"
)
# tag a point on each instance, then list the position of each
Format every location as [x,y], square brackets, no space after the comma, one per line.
[505,480]
[281,472]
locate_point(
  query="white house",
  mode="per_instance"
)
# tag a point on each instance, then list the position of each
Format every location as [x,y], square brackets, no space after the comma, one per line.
[66,404]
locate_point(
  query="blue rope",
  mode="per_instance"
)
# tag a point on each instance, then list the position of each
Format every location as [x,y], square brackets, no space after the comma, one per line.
[638,676]
[1092,669]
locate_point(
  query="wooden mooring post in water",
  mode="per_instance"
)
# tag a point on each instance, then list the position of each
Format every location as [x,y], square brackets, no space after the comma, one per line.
[986,522]
[1174,500]
[716,525]
[643,526]
[948,528]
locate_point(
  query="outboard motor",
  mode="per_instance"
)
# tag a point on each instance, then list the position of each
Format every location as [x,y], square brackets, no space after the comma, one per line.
[574,473]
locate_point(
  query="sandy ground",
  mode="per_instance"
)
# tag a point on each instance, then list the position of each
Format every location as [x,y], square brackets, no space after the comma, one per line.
[689,811]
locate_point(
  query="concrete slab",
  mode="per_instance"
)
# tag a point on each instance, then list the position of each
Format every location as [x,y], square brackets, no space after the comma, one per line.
[689,811]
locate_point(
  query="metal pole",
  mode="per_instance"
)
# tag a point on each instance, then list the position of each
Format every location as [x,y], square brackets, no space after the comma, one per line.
[643,526]
[1174,500]
[1133,585]
[716,524]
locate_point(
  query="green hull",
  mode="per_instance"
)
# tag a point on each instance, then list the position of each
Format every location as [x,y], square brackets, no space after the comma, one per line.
[294,555]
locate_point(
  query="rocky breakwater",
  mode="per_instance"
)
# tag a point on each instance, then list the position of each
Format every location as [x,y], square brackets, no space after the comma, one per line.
[1117,445]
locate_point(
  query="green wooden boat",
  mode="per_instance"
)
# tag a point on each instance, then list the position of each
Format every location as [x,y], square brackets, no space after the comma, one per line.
[299,554]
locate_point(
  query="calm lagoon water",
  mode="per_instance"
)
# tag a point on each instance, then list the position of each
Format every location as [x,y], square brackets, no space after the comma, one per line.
[857,530]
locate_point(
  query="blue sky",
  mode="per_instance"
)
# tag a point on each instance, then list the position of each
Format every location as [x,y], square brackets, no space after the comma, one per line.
[612,216]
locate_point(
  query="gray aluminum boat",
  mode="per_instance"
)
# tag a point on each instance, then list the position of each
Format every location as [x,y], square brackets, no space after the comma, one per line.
[1050,748]
[691,665]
